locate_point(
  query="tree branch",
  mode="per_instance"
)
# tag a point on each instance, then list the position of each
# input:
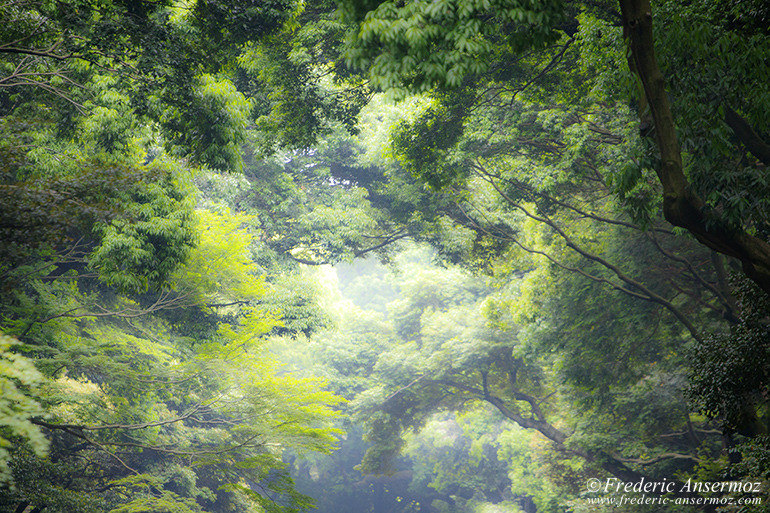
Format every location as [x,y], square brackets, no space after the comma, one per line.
[681,206]
[728,312]
[654,297]
[747,135]
[130,427]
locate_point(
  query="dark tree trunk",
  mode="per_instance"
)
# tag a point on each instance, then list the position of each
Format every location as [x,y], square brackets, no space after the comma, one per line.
[681,206]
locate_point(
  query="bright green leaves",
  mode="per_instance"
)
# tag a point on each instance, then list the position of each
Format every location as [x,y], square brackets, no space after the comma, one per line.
[420,44]
[254,324]
[268,412]
[161,364]
[532,468]
[147,495]
[296,299]
[218,270]
[20,384]
[284,408]
[180,424]
[321,205]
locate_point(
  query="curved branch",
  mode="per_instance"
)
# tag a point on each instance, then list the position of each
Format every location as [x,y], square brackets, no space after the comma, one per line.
[50,53]
[385,240]
[76,432]
[681,206]
[554,261]
[728,312]
[656,298]
[607,462]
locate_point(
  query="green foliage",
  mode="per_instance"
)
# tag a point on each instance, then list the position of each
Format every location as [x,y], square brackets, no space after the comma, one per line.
[728,75]
[142,316]
[212,126]
[164,359]
[456,459]
[320,206]
[21,385]
[240,22]
[41,481]
[296,298]
[729,376]
[754,465]
[422,145]
[170,418]
[603,56]
[421,44]
[129,222]
[218,269]
[151,237]
[148,496]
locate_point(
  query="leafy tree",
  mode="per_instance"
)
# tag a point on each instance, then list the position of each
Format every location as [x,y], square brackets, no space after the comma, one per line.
[142,416]
[446,342]
[516,138]
[20,380]
[481,45]
[141,314]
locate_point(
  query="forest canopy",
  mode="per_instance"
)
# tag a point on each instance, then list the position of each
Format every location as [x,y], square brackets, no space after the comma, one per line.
[444,256]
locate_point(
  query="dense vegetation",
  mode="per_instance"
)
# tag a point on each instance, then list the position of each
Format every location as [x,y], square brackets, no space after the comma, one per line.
[442,256]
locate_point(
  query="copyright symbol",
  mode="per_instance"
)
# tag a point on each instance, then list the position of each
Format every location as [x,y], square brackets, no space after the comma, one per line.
[594,485]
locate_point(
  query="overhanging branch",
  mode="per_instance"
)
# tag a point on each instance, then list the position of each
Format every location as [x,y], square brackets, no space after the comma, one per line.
[681,206]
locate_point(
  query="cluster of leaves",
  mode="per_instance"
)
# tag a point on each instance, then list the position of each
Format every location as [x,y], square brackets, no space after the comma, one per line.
[139,415]
[545,171]
[729,379]
[19,381]
[141,381]
[419,44]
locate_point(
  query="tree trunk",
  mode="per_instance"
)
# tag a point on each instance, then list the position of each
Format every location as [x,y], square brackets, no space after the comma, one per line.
[681,206]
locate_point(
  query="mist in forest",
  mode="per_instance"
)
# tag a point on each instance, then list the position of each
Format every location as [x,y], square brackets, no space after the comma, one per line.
[454,460]
[438,256]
